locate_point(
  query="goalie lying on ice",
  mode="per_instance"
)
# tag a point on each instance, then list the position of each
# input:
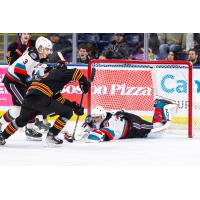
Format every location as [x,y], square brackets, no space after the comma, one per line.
[104,126]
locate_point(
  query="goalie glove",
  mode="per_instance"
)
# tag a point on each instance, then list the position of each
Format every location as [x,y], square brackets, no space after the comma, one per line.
[94,136]
[89,121]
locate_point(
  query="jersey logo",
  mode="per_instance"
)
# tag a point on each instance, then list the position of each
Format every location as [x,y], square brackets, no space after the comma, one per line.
[25,61]
[33,56]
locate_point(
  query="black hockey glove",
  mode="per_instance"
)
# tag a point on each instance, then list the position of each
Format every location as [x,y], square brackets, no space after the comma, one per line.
[78,110]
[59,64]
[85,86]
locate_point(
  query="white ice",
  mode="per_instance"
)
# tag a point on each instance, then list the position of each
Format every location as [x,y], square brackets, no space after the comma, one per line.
[168,150]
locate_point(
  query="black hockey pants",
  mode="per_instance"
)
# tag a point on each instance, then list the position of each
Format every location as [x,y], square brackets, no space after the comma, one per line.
[36,104]
[137,127]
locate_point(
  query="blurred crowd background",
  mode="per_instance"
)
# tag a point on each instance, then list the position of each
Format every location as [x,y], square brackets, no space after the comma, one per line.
[82,47]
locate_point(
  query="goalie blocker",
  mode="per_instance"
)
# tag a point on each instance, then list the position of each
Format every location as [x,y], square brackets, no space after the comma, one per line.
[104,126]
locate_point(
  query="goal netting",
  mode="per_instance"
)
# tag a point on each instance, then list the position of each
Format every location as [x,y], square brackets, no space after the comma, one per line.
[133,85]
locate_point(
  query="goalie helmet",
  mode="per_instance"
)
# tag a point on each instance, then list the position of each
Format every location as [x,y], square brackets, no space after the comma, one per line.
[99,111]
[43,43]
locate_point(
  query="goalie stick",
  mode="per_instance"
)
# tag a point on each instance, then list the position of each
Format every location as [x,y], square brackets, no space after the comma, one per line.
[77,119]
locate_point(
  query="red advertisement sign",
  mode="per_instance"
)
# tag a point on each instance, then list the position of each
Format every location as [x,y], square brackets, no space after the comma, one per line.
[5,97]
[123,89]
[73,92]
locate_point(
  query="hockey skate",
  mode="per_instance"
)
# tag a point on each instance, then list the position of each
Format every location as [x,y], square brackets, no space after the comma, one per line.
[51,139]
[42,125]
[2,140]
[32,135]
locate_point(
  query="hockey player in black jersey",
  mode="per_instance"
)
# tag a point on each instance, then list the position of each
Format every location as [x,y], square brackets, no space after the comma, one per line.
[16,49]
[44,97]
[19,76]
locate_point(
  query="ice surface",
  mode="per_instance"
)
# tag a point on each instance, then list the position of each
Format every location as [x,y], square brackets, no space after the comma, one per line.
[170,149]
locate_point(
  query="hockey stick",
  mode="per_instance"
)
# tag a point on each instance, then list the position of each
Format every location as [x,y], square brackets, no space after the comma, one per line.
[61,56]
[77,119]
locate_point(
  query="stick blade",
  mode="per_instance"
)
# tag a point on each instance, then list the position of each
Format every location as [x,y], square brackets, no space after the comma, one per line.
[68,137]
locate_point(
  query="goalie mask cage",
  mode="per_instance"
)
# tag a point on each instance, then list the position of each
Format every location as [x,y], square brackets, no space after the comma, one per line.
[132,85]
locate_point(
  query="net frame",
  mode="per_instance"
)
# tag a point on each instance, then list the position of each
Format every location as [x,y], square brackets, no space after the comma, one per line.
[156,62]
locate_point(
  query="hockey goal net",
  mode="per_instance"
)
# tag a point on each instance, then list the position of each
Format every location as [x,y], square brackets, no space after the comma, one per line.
[133,85]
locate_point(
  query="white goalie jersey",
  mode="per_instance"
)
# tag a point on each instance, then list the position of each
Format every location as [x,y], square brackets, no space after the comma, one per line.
[112,129]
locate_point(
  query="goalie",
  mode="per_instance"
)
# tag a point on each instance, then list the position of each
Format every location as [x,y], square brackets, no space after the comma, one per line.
[104,126]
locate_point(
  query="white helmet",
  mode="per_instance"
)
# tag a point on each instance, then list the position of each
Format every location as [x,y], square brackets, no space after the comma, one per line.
[44,43]
[99,111]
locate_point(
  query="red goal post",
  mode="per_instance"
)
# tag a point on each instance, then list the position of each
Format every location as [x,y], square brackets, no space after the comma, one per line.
[130,85]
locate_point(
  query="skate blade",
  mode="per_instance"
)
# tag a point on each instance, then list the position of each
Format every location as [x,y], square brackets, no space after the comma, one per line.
[53,145]
[28,138]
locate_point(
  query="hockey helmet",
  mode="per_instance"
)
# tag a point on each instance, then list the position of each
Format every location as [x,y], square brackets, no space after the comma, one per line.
[99,111]
[43,43]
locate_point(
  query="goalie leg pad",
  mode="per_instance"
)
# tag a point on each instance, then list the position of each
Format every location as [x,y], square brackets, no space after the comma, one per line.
[163,109]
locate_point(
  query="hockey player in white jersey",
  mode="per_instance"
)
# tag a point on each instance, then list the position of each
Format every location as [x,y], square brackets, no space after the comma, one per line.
[18,78]
[104,126]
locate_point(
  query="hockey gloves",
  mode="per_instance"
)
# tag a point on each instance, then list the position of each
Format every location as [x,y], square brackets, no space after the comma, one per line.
[85,86]
[78,110]
[60,64]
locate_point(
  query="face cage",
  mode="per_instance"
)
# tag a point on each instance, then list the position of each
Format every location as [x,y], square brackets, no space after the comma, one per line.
[96,119]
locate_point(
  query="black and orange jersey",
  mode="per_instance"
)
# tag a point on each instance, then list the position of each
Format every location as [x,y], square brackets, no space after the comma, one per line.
[56,79]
